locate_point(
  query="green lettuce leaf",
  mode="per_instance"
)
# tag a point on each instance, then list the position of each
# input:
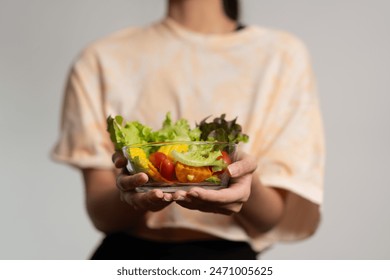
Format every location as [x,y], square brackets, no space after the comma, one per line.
[131,133]
[175,131]
[136,133]
[214,180]
[201,156]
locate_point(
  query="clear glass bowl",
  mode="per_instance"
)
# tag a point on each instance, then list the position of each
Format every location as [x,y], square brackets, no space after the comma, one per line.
[173,166]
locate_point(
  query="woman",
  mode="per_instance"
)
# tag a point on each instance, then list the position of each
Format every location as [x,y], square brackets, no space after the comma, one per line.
[198,61]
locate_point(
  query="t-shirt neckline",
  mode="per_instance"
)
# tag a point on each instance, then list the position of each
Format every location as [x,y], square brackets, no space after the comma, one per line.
[226,40]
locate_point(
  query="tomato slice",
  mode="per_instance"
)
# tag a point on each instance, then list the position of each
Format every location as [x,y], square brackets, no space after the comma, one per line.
[226,158]
[157,158]
[167,169]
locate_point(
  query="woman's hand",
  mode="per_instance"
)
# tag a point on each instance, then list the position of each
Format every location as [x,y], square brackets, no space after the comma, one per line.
[225,201]
[153,200]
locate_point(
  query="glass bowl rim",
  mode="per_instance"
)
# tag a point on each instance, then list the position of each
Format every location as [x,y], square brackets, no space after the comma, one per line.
[162,143]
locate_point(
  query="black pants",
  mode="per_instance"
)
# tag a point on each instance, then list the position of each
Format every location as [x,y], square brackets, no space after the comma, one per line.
[121,246]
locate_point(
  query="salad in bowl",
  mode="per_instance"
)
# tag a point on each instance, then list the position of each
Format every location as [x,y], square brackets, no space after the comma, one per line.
[177,156]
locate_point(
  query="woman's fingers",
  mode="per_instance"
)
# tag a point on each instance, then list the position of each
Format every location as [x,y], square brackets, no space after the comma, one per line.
[227,200]
[119,160]
[154,200]
[247,164]
[238,191]
[129,182]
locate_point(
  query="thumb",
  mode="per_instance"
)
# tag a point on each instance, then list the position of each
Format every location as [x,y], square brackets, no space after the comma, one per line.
[245,165]
[119,159]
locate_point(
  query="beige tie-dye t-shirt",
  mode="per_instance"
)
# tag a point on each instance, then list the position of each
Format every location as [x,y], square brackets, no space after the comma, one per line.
[262,76]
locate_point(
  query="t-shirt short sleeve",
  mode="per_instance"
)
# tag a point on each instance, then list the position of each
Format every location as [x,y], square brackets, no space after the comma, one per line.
[291,147]
[84,141]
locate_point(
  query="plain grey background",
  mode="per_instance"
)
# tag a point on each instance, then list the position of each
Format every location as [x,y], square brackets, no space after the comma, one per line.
[42,213]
